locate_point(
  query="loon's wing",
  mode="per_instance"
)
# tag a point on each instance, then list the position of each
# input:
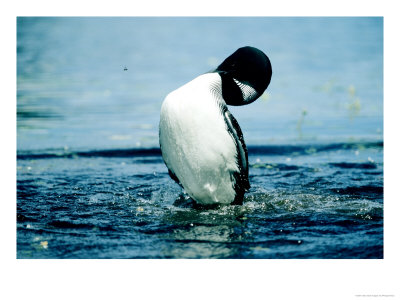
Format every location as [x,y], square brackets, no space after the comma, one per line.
[242,177]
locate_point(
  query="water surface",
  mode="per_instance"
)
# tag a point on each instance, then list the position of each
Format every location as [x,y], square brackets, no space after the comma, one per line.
[90,179]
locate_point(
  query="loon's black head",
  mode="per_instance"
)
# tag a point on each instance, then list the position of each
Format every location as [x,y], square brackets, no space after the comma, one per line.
[245,75]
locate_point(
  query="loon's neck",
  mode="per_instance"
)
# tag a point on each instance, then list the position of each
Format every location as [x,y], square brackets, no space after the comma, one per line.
[213,83]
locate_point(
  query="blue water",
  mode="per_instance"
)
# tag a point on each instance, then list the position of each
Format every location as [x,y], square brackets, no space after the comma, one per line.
[90,179]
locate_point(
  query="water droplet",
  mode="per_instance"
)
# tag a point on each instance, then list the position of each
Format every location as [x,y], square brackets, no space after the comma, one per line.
[44,244]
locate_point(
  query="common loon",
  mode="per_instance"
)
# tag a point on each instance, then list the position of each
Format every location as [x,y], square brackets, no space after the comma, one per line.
[201,142]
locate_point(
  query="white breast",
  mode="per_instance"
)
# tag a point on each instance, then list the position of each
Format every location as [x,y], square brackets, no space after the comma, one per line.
[195,142]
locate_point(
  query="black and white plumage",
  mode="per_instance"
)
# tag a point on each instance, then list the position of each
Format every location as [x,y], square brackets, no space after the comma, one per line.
[201,142]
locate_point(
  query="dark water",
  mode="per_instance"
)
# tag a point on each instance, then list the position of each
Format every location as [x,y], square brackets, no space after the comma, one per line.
[322,201]
[90,179]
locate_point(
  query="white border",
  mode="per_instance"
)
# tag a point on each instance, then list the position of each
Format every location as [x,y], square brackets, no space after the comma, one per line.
[198,279]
